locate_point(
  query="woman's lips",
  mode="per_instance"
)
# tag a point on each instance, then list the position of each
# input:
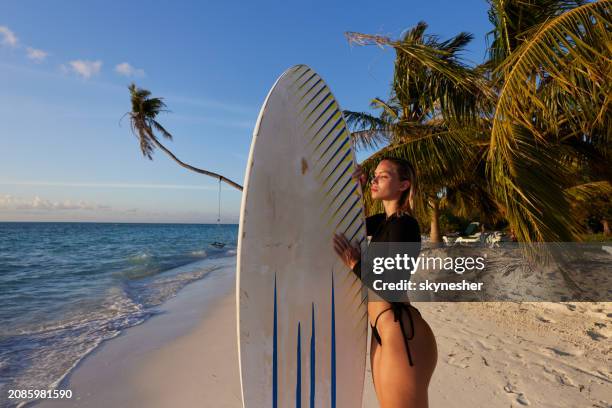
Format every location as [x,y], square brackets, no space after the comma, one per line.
[374,189]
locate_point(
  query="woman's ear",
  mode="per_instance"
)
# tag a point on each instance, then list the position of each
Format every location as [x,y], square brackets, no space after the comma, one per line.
[404,185]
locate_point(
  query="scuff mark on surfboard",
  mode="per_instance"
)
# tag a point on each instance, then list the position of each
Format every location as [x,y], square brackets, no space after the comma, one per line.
[304,166]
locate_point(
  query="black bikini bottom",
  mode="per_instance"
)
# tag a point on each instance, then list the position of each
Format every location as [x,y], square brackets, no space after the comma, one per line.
[397,308]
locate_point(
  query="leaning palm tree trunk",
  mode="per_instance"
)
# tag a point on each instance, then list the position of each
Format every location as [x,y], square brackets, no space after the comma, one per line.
[143,120]
[195,169]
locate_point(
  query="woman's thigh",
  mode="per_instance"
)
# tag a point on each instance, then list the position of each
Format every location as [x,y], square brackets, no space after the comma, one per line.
[397,383]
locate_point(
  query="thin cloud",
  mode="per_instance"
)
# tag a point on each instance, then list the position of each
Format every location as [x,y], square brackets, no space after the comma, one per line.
[84,68]
[36,55]
[8,37]
[128,70]
[108,185]
[9,202]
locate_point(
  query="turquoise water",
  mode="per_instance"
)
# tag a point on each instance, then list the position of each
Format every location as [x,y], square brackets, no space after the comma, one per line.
[66,287]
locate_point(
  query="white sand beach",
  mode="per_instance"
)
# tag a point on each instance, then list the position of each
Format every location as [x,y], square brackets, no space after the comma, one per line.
[490,355]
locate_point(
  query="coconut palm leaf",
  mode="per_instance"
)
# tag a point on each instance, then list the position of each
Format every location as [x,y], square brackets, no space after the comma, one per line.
[367,131]
[391,110]
[438,60]
[576,43]
[529,185]
[589,191]
[512,19]
[430,78]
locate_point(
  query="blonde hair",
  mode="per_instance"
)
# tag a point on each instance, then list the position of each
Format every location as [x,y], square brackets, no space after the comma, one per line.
[405,171]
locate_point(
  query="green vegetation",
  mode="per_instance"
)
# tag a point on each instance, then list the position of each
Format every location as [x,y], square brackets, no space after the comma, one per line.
[523,137]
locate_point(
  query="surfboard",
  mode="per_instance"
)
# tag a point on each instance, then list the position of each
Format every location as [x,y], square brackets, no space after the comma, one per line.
[302,314]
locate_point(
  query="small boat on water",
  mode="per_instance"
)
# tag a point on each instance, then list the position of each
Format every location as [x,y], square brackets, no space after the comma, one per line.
[217,244]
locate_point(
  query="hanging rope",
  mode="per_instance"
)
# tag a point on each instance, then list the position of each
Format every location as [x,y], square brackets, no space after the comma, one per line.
[218,244]
[219,213]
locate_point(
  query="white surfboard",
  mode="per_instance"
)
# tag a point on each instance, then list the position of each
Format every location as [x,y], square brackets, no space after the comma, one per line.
[302,314]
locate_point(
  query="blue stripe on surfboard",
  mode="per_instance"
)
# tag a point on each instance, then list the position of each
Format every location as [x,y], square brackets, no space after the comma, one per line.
[298,380]
[321,102]
[312,360]
[334,113]
[340,132]
[341,173]
[339,161]
[329,132]
[350,163]
[343,202]
[308,80]
[327,120]
[312,99]
[332,103]
[333,346]
[274,355]
[308,91]
[356,231]
[338,149]
[352,221]
[347,212]
[301,75]
[340,190]
[340,176]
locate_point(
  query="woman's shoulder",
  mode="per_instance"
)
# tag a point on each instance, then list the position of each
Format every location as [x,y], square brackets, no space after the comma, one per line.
[376,217]
[406,218]
[408,224]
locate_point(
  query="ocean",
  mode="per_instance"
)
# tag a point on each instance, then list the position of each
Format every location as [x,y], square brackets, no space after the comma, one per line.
[67,287]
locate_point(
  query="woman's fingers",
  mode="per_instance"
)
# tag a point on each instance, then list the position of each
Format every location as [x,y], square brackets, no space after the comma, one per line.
[345,250]
[339,242]
[343,244]
[342,239]
[339,245]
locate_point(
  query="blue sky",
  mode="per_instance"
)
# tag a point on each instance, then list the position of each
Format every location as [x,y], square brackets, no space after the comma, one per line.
[65,67]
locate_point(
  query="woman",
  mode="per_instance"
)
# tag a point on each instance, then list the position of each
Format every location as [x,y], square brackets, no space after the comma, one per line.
[403,350]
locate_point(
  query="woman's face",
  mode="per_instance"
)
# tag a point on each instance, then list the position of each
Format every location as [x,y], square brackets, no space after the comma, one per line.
[386,184]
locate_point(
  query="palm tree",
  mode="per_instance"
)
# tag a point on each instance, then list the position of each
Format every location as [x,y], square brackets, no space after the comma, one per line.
[432,118]
[145,109]
[552,118]
[541,121]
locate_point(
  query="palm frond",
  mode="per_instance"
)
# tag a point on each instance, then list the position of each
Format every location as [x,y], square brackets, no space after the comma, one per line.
[573,50]
[390,111]
[527,180]
[513,19]
[161,129]
[427,56]
[430,78]
[367,131]
[589,191]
